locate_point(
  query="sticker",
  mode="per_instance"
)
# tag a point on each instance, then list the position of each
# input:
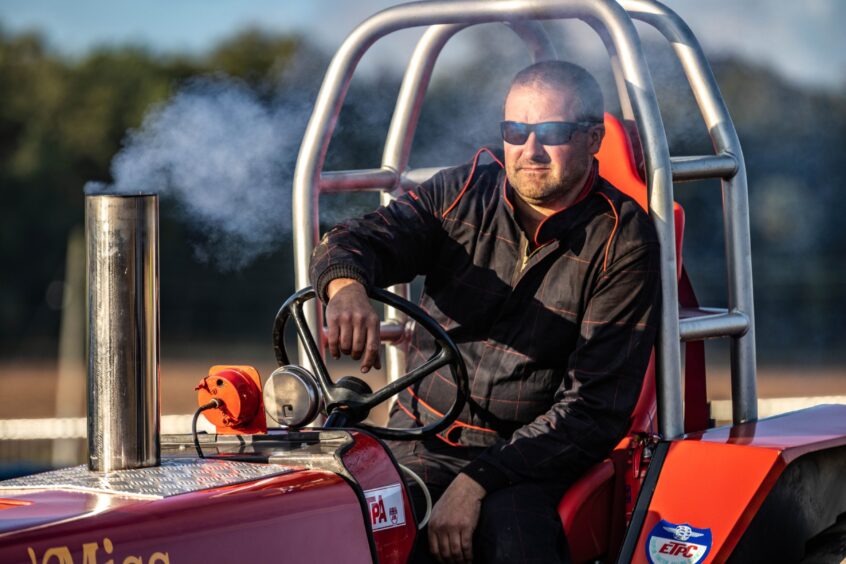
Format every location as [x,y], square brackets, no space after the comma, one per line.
[386,507]
[668,543]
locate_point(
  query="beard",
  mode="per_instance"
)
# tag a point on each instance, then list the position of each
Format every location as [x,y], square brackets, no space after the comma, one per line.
[543,183]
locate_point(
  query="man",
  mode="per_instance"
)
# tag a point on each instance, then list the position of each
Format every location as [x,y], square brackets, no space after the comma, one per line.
[547,278]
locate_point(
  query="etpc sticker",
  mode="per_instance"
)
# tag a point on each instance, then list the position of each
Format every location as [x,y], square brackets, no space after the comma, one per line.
[669,543]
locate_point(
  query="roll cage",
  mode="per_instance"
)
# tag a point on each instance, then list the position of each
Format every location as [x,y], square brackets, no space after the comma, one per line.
[613,22]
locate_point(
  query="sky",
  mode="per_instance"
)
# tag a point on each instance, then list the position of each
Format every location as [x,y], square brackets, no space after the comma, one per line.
[803,40]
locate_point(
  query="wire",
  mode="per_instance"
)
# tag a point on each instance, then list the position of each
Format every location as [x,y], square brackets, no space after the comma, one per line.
[426,494]
[212,404]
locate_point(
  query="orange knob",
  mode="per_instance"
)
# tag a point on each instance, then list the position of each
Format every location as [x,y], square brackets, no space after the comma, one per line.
[239,388]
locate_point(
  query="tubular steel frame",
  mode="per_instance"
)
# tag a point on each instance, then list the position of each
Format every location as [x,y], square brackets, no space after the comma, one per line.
[614,23]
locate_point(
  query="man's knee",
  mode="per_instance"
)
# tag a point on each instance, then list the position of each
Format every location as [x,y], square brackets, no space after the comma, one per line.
[520,524]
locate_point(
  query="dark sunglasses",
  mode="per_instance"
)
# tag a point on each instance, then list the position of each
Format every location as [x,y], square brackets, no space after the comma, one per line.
[547,133]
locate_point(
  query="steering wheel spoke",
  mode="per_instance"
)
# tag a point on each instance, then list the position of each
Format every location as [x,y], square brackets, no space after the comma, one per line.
[353,400]
[438,360]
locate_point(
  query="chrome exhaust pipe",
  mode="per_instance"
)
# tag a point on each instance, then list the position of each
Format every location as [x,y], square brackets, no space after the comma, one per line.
[122,238]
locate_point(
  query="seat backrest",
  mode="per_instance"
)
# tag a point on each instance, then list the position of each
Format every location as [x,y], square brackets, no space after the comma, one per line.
[591,510]
[618,165]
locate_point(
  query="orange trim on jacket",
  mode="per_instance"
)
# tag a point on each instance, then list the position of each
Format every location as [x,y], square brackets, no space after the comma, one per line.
[470,177]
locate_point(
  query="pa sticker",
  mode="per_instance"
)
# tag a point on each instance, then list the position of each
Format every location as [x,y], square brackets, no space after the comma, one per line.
[385,506]
[669,543]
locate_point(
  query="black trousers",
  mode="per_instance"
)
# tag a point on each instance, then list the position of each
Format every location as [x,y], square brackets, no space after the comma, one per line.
[517,524]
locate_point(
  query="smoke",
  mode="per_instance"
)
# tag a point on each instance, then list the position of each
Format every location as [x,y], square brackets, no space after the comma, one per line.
[225,157]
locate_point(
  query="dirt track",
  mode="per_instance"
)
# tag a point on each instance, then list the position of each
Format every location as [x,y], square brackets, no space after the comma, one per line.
[29,388]
[29,391]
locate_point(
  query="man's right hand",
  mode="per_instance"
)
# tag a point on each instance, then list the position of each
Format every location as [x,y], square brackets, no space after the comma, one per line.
[352,323]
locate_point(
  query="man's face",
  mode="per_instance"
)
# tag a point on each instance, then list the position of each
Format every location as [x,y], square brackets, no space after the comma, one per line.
[546,174]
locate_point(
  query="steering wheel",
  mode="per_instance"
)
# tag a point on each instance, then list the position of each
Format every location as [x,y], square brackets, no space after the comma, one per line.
[350,399]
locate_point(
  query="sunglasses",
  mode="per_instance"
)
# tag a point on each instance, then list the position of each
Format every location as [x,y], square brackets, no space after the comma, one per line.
[547,133]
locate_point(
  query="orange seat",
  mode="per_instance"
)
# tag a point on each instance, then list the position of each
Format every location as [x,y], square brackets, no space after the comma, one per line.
[592,511]
[618,165]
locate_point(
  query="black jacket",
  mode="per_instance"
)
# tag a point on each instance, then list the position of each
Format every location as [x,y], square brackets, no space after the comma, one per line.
[556,333]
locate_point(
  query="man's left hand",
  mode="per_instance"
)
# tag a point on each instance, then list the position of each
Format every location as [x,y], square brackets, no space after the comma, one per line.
[454,519]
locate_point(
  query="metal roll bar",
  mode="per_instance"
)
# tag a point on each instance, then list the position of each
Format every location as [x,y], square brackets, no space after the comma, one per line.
[700,168]
[406,114]
[707,323]
[398,148]
[615,27]
[728,162]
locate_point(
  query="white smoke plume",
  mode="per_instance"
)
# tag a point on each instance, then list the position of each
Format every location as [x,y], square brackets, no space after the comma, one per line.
[225,158]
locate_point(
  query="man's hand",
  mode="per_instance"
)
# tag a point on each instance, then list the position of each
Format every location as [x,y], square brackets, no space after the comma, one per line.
[353,325]
[454,519]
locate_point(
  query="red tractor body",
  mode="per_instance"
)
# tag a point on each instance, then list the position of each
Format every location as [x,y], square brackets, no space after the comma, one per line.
[240,507]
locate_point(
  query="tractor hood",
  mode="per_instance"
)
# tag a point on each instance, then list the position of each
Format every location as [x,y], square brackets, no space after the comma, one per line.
[186,510]
[308,496]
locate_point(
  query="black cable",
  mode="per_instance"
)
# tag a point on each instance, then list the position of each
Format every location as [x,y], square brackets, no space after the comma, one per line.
[212,404]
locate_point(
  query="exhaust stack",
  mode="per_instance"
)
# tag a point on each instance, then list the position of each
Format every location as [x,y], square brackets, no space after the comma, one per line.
[122,238]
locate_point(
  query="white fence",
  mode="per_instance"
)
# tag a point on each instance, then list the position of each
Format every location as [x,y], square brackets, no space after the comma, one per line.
[76,427]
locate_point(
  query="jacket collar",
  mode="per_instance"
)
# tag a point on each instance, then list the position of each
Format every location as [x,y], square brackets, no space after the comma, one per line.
[556,224]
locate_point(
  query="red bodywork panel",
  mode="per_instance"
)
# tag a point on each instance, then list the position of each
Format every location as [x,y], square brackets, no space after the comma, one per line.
[302,516]
[717,479]
[368,461]
[263,521]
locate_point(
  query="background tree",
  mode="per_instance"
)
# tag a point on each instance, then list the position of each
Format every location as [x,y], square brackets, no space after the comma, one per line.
[62,120]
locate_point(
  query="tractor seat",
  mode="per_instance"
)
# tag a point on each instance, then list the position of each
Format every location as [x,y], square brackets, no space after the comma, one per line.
[593,510]
[621,163]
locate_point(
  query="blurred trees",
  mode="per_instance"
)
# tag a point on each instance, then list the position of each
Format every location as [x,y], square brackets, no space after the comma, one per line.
[62,121]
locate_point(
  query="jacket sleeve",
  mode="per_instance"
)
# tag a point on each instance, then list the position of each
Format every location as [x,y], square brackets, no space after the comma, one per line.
[606,369]
[390,245]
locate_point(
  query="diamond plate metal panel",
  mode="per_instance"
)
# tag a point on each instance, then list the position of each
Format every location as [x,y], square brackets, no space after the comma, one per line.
[173,477]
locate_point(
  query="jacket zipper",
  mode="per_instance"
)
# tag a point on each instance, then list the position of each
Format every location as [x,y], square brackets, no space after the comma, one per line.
[528,257]
[522,260]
